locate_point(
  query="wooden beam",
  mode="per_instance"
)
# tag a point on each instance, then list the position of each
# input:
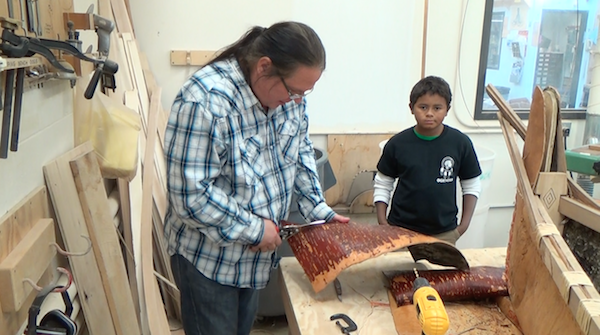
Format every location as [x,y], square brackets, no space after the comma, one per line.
[191,57]
[71,221]
[586,215]
[157,318]
[94,203]
[14,226]
[29,259]
[81,21]
[17,222]
[577,192]
[506,111]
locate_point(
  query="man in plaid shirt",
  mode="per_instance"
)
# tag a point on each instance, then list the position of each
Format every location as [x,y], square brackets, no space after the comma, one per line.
[237,148]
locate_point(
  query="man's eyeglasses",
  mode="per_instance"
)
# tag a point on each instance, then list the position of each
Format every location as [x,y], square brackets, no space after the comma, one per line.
[294,96]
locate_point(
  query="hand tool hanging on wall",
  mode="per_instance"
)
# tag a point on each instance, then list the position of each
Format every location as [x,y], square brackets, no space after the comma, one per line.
[22,9]
[30,17]
[38,23]
[15,46]
[19,49]
[103,27]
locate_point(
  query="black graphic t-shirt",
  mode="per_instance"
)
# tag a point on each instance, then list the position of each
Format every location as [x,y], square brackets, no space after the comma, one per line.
[425,197]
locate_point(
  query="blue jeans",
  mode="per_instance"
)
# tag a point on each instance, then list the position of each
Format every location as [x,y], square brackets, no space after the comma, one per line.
[209,308]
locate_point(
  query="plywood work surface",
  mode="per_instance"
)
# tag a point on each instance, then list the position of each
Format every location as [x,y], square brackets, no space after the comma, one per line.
[349,155]
[365,297]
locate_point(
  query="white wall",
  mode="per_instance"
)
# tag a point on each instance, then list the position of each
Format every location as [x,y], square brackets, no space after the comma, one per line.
[374,58]
[46,132]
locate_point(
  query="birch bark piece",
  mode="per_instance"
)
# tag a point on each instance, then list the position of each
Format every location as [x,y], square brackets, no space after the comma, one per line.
[325,250]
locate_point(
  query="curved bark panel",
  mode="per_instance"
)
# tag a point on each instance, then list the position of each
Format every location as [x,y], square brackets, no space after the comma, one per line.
[478,283]
[325,250]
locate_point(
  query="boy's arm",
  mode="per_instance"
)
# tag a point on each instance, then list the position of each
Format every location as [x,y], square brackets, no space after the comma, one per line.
[382,188]
[469,202]
[470,189]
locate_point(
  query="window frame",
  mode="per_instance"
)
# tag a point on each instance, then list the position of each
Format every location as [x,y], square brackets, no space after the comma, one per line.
[491,114]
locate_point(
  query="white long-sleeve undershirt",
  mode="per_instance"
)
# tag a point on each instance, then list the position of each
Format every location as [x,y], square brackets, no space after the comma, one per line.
[383,186]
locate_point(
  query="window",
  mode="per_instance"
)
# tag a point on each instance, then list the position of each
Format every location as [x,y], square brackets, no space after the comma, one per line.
[537,42]
[495,40]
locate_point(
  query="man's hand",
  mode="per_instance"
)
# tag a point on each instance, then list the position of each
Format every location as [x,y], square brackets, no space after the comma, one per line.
[340,219]
[270,240]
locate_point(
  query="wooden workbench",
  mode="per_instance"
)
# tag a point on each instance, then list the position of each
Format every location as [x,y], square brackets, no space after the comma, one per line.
[364,299]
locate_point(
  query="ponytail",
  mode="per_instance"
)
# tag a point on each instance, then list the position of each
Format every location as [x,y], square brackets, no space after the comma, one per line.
[288,45]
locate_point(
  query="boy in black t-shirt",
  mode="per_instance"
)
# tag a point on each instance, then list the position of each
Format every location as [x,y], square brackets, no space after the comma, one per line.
[425,160]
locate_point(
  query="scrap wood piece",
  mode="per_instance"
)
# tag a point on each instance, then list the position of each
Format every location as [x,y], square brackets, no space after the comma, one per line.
[477,283]
[578,193]
[29,259]
[105,242]
[155,317]
[71,221]
[551,114]
[559,159]
[325,250]
[506,111]
[535,145]
[14,226]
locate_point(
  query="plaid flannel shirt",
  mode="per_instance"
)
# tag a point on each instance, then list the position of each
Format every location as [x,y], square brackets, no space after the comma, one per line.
[228,166]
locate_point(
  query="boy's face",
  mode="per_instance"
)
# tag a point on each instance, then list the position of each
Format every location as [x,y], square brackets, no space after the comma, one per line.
[429,111]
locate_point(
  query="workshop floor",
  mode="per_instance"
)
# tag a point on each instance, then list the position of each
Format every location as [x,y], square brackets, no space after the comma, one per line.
[278,325]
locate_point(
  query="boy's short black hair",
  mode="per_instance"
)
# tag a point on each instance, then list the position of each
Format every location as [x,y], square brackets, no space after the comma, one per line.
[431,85]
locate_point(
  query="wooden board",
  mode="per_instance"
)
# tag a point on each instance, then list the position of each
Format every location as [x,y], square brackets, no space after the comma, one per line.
[71,221]
[105,242]
[535,140]
[506,111]
[550,188]
[29,259]
[349,155]
[14,225]
[155,310]
[586,215]
[578,193]
[17,222]
[191,57]
[551,116]
[365,297]
[559,160]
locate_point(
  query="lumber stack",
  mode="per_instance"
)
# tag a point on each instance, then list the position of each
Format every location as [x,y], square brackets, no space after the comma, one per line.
[550,291]
[126,276]
[143,201]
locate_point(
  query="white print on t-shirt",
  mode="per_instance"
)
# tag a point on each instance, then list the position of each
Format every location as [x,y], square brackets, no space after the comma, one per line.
[446,170]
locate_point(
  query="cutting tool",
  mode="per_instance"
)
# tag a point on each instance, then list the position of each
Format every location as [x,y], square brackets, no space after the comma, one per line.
[289,230]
